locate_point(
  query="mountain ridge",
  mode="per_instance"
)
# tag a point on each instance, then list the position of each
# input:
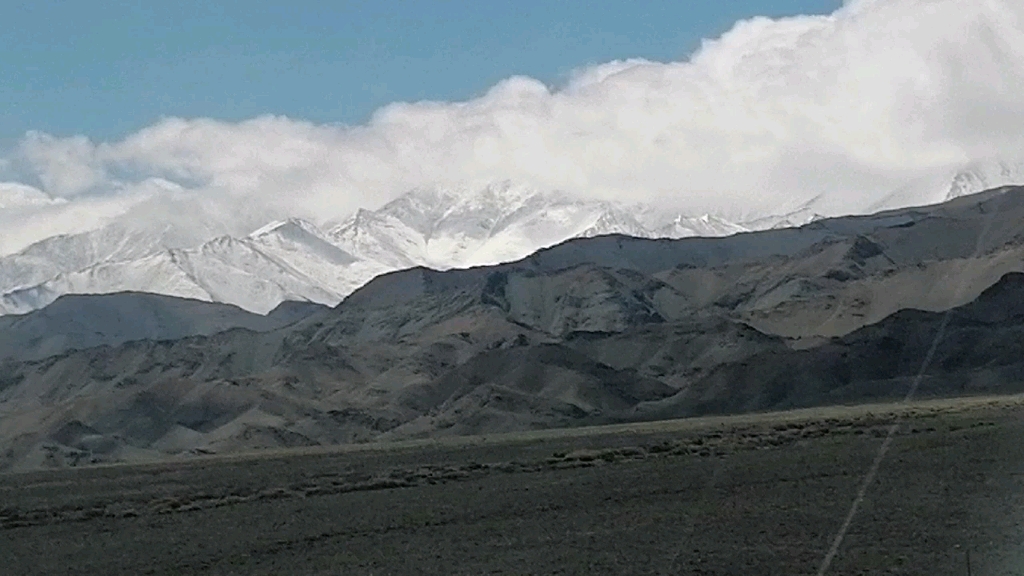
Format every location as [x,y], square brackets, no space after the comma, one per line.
[591,331]
[83,321]
[294,259]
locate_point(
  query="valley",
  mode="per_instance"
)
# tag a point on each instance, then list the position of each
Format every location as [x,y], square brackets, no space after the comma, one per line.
[465,288]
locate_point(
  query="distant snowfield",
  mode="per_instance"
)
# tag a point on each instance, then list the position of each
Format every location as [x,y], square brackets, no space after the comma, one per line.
[297,260]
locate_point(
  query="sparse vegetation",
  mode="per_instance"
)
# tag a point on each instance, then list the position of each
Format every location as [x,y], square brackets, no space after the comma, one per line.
[755,494]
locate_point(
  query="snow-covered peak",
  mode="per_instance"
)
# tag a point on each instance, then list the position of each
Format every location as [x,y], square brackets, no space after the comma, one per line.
[429,211]
[615,220]
[706,225]
[985,175]
[379,237]
[788,220]
[444,228]
[437,227]
[294,230]
[288,226]
[178,247]
[949,183]
[67,253]
[254,273]
[295,238]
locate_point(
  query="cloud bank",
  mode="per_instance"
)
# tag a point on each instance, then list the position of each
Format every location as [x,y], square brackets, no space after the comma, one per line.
[847,107]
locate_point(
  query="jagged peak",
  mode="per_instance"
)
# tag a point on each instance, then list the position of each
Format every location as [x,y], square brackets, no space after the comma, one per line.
[281,225]
[983,175]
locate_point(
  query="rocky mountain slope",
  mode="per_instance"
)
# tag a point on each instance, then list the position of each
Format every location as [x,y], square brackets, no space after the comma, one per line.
[77,322]
[170,248]
[295,260]
[284,261]
[592,330]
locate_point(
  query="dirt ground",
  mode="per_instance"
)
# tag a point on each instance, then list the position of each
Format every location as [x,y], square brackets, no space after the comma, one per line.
[761,494]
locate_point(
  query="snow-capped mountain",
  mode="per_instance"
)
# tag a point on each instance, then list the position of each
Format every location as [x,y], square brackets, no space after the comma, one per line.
[939,186]
[793,219]
[946,185]
[149,227]
[449,228]
[502,222]
[288,260]
[294,259]
[682,226]
[69,253]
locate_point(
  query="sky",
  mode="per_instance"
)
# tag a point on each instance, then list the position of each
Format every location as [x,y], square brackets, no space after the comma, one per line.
[250,110]
[105,69]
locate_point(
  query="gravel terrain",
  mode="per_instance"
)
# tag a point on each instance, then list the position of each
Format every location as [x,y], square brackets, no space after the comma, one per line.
[754,494]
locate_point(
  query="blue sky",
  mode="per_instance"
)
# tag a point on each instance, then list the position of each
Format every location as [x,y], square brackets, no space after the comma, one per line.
[263,108]
[106,68]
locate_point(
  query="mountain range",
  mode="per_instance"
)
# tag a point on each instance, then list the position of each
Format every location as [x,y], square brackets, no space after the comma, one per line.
[297,260]
[593,330]
[78,322]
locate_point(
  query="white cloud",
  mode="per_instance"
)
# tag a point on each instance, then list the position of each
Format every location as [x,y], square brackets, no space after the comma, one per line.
[27,214]
[64,166]
[14,195]
[774,112]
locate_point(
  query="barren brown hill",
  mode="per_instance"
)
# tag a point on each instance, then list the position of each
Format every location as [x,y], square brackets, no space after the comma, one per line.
[598,330]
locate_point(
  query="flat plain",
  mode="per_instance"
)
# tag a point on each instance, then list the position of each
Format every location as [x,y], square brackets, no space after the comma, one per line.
[754,494]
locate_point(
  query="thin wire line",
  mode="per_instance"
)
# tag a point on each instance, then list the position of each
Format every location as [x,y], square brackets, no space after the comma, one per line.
[876,464]
[882,451]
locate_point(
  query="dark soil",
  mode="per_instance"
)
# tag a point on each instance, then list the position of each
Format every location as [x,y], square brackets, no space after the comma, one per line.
[750,495]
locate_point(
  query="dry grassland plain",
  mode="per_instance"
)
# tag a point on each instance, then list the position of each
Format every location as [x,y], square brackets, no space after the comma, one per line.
[756,494]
